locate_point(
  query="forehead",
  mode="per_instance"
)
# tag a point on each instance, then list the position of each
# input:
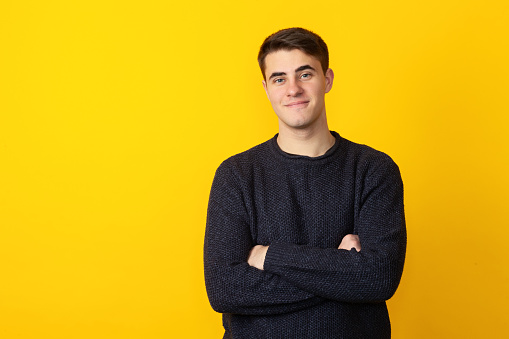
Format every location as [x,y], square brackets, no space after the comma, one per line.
[287,61]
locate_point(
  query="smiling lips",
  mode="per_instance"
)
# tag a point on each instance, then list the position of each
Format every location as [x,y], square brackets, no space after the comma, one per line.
[297,104]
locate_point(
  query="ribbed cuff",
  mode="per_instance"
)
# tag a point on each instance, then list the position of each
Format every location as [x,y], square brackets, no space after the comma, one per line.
[277,254]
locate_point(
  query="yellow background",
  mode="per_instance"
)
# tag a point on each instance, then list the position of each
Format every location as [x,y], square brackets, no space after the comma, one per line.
[114,116]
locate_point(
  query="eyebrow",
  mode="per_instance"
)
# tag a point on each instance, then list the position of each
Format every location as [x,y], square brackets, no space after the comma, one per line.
[276,74]
[301,68]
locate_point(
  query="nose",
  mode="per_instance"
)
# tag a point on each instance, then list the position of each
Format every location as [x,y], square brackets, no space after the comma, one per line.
[294,88]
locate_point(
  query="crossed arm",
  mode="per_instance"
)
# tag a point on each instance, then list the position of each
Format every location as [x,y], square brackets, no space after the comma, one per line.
[246,278]
[257,254]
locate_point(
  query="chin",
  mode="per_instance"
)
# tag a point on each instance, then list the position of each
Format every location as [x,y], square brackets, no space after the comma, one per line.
[298,125]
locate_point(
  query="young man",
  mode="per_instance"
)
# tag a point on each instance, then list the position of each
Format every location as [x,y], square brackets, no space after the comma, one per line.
[305,232]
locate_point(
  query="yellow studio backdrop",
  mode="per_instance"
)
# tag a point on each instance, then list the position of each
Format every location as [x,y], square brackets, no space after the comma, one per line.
[114,116]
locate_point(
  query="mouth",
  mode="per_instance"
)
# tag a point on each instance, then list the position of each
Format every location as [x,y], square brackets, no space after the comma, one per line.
[297,104]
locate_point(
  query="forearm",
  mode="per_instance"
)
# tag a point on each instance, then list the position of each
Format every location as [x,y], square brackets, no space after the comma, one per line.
[341,274]
[349,276]
[242,289]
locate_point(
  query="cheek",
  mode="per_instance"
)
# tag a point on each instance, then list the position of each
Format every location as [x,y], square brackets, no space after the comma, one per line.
[274,96]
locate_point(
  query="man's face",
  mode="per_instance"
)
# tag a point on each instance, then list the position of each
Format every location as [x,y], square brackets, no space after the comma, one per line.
[296,87]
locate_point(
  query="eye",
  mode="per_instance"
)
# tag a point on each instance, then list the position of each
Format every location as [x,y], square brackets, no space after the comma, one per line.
[278,80]
[305,76]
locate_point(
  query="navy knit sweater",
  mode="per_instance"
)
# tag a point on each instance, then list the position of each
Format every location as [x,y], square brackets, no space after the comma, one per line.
[302,207]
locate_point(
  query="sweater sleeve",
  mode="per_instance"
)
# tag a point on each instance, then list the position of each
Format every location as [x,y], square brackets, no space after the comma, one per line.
[233,286]
[371,275]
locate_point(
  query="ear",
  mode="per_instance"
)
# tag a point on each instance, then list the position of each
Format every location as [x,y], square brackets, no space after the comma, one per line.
[264,83]
[329,79]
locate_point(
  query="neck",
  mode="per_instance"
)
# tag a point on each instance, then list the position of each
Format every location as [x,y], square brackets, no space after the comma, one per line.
[311,142]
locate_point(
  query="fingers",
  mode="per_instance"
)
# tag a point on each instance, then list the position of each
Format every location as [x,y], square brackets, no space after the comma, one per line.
[257,256]
[350,241]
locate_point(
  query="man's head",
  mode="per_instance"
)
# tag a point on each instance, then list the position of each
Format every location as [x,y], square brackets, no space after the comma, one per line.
[295,38]
[294,64]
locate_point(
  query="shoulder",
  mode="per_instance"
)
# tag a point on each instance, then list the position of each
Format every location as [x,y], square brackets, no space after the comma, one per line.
[363,152]
[243,163]
[366,159]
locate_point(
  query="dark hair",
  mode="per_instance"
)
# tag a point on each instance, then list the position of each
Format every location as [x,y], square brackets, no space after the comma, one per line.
[295,38]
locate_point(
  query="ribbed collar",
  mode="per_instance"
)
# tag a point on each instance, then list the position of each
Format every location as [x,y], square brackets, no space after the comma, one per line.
[280,154]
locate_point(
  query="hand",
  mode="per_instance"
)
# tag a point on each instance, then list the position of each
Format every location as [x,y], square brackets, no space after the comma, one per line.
[257,256]
[350,241]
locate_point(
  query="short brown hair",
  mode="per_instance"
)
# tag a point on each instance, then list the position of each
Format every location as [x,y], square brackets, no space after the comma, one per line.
[295,38]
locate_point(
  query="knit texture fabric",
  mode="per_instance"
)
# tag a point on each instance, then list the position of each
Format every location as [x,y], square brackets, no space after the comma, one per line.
[301,207]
